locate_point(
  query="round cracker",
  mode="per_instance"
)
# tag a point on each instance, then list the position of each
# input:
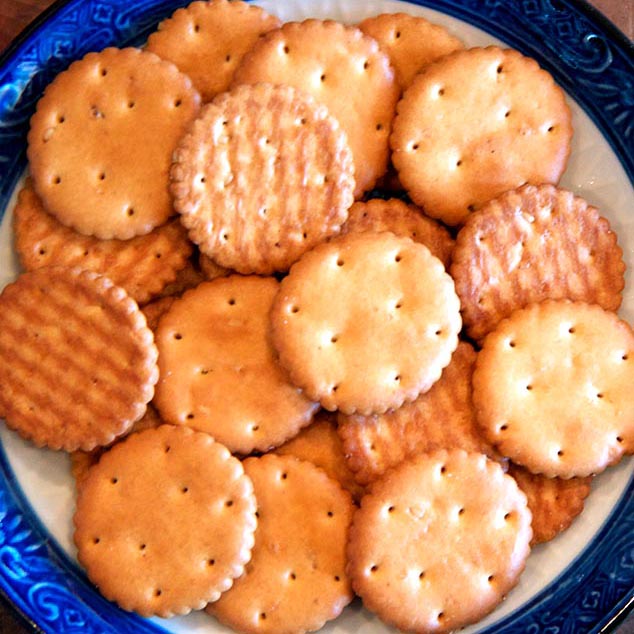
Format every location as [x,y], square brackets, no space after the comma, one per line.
[264,174]
[465,131]
[143,265]
[218,371]
[77,360]
[366,322]
[107,127]
[532,244]
[412,42]
[296,580]
[207,40]
[552,388]
[342,68]
[439,542]
[165,521]
[442,418]
[402,220]
[553,502]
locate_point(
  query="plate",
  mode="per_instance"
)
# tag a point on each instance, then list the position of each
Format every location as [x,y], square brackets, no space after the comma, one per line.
[583,581]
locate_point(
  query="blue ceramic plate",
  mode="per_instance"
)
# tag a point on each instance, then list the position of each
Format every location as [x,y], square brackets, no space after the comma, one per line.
[583,581]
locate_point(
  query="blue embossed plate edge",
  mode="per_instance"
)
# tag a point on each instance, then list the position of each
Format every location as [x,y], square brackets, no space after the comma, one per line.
[593,62]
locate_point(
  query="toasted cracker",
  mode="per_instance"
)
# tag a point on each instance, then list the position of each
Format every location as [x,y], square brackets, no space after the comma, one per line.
[106,129]
[531,244]
[412,42]
[342,68]
[554,503]
[218,371]
[552,388]
[210,269]
[207,40]
[320,444]
[155,534]
[296,580]
[403,220]
[465,131]
[439,542]
[77,361]
[264,174]
[366,322]
[442,418]
[143,266]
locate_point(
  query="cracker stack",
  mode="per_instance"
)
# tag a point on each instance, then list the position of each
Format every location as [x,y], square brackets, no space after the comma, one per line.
[347,376]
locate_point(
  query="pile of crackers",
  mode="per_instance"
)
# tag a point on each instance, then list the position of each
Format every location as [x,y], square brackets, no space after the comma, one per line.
[279,387]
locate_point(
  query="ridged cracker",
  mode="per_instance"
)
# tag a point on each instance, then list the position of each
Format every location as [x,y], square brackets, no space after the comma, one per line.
[366,322]
[320,444]
[341,68]
[101,141]
[531,244]
[143,265]
[552,388]
[165,521]
[264,174]
[218,371]
[439,542]
[77,361]
[207,40]
[296,580]
[554,503]
[412,42]
[402,220]
[442,418]
[465,131]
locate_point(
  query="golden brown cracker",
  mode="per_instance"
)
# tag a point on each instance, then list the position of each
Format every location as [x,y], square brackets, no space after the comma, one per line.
[341,68]
[531,244]
[143,265]
[320,444]
[165,521]
[552,388]
[366,322]
[218,371]
[207,40]
[77,361]
[264,174]
[439,542]
[401,219]
[296,580]
[465,131]
[412,42]
[554,503]
[101,141]
[442,418]
[210,269]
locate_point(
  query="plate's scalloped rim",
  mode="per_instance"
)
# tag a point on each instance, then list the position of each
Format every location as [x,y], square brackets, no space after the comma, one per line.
[606,52]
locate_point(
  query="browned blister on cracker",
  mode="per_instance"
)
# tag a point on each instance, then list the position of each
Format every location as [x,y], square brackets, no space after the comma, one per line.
[264,174]
[207,40]
[532,244]
[552,388]
[442,418]
[439,542]
[101,141]
[165,521]
[143,265]
[366,322]
[296,580]
[77,361]
[218,370]
[342,68]
[465,131]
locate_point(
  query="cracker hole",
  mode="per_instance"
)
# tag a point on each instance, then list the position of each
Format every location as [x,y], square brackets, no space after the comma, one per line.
[397,35]
[471,207]
[294,309]
[204,371]
[529,387]
[190,416]
[507,114]
[225,236]
[560,453]
[491,578]
[438,332]
[421,575]
[379,127]
[158,592]
[374,568]
[142,547]
[263,616]
[178,103]
[255,428]
[624,357]
[397,378]
[323,77]
[42,252]
[503,427]
[211,562]
[458,162]
[167,449]
[229,503]
[96,540]
[619,439]
[440,616]
[104,72]
[292,576]
[499,69]
[330,514]
[185,490]
[443,469]
[263,212]
[284,476]
[61,118]
[287,50]
[366,65]
[232,302]
[114,480]
[334,338]
[158,256]
[571,330]
[228,58]
[414,146]
[305,235]
[196,28]
[102,176]
[202,179]
[600,395]
[130,211]
[131,104]
[398,257]
[334,388]
[340,262]
[507,516]
[391,509]
[277,245]
[178,336]
[512,344]
[461,511]
[551,128]
[57,180]
[337,578]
